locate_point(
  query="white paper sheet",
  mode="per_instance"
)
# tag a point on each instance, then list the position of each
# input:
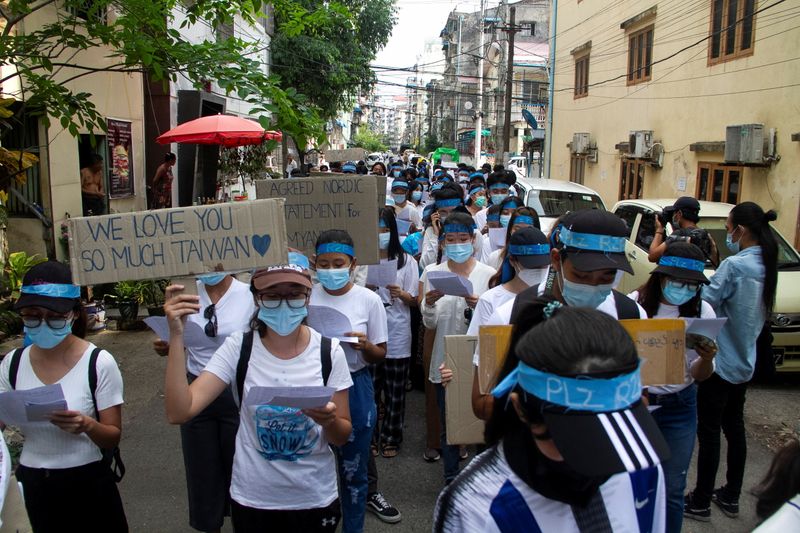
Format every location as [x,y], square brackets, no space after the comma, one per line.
[159,326]
[334,324]
[194,336]
[450,283]
[32,405]
[699,330]
[299,397]
[497,237]
[382,274]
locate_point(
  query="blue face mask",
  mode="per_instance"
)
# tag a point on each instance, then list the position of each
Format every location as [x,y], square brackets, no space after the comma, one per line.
[581,295]
[333,278]
[397,173]
[399,198]
[283,319]
[383,240]
[504,220]
[416,196]
[460,253]
[46,337]
[497,199]
[677,293]
[212,279]
[732,246]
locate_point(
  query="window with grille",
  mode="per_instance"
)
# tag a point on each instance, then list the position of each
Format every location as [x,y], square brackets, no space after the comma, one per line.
[640,56]
[530,91]
[631,179]
[582,76]
[719,183]
[732,29]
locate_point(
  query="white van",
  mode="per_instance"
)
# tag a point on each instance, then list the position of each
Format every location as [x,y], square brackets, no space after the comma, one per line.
[554,198]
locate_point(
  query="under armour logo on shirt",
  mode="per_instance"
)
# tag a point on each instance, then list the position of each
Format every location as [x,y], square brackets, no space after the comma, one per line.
[329,521]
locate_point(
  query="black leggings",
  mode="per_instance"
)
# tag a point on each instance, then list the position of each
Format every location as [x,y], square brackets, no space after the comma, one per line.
[83,498]
[319,520]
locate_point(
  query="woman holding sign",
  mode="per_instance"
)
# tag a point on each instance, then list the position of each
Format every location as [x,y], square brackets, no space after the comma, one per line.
[284,473]
[61,469]
[391,374]
[335,262]
[673,291]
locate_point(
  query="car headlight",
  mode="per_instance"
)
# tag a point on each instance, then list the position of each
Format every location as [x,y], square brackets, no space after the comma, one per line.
[785,320]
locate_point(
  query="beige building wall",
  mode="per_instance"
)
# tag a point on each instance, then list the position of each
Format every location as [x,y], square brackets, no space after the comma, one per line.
[115,95]
[686,101]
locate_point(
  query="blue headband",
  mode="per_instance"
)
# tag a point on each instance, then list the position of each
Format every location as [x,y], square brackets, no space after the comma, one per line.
[453,202]
[591,241]
[510,205]
[53,290]
[473,190]
[421,179]
[458,228]
[494,217]
[582,393]
[400,183]
[476,175]
[335,248]
[529,249]
[436,186]
[682,262]
[523,219]
[298,259]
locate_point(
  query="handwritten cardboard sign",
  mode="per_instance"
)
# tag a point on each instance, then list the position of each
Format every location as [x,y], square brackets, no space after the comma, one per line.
[351,154]
[463,427]
[313,205]
[181,241]
[493,347]
[660,343]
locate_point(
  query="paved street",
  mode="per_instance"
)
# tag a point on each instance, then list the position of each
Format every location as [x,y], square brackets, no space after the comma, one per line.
[154,489]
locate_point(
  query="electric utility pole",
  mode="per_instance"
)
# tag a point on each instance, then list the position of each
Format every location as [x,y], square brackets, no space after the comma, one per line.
[512,30]
[479,116]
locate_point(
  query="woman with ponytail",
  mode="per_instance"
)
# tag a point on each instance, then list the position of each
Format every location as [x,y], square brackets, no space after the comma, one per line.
[743,290]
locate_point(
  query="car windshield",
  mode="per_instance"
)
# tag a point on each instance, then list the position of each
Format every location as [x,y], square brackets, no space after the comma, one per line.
[556,203]
[787,256]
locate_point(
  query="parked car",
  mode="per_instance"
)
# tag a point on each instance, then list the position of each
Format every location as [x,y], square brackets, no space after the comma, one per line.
[553,198]
[785,319]
[375,157]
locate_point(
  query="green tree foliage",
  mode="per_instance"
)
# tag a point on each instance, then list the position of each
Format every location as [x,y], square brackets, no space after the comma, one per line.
[140,36]
[331,65]
[369,141]
[431,143]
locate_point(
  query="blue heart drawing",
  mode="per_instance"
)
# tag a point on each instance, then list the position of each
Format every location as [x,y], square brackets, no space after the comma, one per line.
[261,243]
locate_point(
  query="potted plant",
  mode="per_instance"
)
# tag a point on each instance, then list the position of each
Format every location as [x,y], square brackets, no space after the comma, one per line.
[153,296]
[128,295]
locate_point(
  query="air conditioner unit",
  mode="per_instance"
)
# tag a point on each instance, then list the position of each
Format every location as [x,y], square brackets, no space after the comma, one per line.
[744,143]
[580,143]
[639,143]
[591,157]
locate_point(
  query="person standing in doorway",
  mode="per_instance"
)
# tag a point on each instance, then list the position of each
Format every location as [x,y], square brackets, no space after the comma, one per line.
[93,193]
[162,183]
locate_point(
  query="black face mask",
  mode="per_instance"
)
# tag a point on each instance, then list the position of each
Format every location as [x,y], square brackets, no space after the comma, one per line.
[555,480]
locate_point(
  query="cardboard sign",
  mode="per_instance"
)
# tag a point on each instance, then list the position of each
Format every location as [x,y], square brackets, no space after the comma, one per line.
[181,241]
[661,344]
[463,427]
[493,347]
[351,154]
[313,205]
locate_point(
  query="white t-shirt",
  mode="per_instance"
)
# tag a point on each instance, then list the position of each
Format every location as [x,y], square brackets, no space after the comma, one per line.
[487,303]
[480,218]
[282,460]
[495,258]
[489,496]
[672,311]
[410,213]
[47,446]
[234,311]
[787,518]
[398,314]
[447,315]
[365,310]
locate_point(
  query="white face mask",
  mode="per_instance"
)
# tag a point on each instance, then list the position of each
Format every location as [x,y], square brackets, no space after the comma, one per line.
[533,276]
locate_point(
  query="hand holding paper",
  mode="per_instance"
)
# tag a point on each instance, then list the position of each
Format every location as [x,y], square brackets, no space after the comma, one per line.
[32,405]
[450,283]
[298,397]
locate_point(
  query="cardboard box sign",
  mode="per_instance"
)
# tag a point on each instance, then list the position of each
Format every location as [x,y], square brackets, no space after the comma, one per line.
[181,241]
[351,154]
[380,182]
[660,343]
[492,350]
[463,427]
[313,205]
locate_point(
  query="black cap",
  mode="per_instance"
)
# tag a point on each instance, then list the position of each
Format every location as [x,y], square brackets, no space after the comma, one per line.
[531,236]
[686,202]
[48,273]
[584,253]
[682,269]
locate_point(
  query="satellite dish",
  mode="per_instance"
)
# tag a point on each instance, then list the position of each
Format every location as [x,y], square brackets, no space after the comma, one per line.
[528,116]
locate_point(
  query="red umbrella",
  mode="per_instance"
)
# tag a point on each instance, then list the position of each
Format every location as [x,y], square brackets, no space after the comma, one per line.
[224,130]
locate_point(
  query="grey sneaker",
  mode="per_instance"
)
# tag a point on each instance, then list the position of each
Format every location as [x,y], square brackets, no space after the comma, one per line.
[385,511]
[729,507]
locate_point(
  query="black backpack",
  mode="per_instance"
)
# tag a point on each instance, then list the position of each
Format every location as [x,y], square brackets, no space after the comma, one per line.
[244,360]
[111,456]
[626,308]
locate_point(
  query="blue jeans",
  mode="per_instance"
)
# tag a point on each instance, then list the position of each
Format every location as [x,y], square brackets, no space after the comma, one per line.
[354,456]
[449,452]
[677,419]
